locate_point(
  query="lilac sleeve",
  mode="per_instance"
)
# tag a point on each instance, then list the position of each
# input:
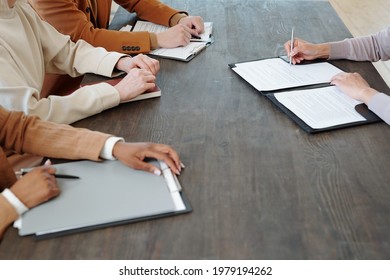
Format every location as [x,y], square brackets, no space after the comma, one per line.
[368,48]
[380,105]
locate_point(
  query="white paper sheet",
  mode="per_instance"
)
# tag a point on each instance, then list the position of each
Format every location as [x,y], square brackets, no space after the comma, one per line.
[321,107]
[181,52]
[157,28]
[275,73]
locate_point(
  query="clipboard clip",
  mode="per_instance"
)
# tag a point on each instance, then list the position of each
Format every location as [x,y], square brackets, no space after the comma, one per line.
[170,178]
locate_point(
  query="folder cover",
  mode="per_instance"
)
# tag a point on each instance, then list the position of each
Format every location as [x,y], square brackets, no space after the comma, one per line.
[107,193]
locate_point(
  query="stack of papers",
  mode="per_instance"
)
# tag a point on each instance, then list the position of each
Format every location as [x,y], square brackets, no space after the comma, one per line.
[304,93]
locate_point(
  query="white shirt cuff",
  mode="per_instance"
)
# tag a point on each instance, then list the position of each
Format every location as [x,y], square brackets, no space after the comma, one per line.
[14,201]
[106,152]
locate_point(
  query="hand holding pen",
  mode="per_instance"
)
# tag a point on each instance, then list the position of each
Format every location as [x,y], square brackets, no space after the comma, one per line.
[37,186]
[301,50]
[196,23]
[24,171]
[59,176]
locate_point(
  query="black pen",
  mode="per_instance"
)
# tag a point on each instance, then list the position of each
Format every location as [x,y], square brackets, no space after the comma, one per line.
[196,37]
[59,176]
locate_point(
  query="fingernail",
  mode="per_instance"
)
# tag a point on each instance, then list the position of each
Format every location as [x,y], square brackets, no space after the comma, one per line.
[48,162]
[157,172]
[182,165]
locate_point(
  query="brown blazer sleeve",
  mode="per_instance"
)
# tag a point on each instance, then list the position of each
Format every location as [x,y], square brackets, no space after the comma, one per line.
[29,134]
[77,19]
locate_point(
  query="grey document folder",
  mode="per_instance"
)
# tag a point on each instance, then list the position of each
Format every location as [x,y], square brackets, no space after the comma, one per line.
[107,193]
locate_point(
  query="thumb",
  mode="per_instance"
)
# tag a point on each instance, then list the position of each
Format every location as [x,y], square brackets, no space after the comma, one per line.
[49,169]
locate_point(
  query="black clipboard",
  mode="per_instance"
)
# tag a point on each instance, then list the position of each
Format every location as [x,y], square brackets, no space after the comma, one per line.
[362,109]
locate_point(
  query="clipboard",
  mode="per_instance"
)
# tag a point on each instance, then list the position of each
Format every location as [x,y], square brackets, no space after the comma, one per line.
[361,109]
[107,194]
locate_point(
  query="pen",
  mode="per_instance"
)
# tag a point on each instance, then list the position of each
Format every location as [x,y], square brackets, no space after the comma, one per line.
[196,37]
[291,43]
[60,176]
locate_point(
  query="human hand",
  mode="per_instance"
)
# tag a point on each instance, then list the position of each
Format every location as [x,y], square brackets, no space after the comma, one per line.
[176,36]
[196,23]
[136,82]
[303,50]
[133,155]
[37,186]
[140,61]
[354,85]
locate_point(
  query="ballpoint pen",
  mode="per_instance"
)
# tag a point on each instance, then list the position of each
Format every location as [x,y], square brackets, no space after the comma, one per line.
[60,176]
[196,37]
[291,43]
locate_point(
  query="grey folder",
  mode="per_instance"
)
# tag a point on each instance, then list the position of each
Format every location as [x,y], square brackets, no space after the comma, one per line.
[107,193]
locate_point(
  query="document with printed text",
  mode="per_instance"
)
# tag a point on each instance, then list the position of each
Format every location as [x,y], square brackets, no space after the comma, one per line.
[304,93]
[185,53]
[321,107]
[275,74]
[141,25]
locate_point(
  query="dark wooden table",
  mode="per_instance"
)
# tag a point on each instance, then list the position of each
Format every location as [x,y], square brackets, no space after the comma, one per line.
[260,187]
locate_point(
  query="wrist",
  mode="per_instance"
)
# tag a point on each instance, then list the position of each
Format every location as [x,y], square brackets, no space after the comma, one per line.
[323,51]
[116,149]
[124,63]
[367,94]
[13,200]
[8,215]
[175,19]
[108,149]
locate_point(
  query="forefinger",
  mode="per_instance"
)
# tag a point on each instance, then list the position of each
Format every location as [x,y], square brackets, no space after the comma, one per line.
[170,151]
[198,25]
[336,78]
[148,64]
[164,157]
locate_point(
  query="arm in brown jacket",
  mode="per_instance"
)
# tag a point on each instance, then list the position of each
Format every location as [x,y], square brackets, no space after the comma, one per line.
[32,135]
[81,20]
[28,134]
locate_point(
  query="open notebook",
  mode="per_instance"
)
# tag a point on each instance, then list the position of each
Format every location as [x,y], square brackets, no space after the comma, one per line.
[142,25]
[107,193]
[185,53]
